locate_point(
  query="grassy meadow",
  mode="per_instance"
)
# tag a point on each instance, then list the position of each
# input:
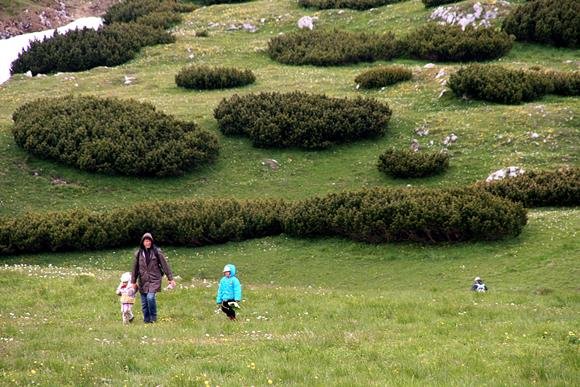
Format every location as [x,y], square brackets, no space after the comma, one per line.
[315,311]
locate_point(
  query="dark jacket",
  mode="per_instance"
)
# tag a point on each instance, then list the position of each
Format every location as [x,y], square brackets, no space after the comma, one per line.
[149,274]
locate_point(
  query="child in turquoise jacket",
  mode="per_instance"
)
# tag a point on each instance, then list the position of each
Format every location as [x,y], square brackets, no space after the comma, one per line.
[229,292]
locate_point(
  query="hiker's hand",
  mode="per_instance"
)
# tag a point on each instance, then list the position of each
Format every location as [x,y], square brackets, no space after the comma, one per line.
[172,283]
[135,286]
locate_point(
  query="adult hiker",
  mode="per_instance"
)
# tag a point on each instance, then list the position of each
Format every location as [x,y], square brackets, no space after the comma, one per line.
[148,268]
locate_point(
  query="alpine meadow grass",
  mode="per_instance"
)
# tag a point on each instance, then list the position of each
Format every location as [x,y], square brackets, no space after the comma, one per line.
[320,311]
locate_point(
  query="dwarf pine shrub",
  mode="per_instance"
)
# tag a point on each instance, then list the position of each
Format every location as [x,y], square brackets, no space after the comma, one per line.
[379,215]
[499,84]
[188,223]
[79,50]
[160,20]
[375,215]
[76,50]
[564,83]
[359,5]
[133,10]
[330,48]
[436,3]
[405,163]
[300,119]
[213,2]
[206,77]
[111,136]
[438,42]
[383,76]
[539,188]
[554,22]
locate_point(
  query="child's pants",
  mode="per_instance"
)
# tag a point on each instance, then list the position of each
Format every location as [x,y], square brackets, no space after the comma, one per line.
[228,310]
[127,312]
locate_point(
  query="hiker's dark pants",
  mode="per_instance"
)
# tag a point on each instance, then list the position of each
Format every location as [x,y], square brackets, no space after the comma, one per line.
[228,310]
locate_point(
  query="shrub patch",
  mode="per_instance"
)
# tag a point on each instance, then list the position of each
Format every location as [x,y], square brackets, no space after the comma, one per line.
[383,76]
[539,189]
[554,22]
[499,84]
[331,48]
[205,77]
[300,119]
[450,43]
[359,5]
[111,136]
[405,163]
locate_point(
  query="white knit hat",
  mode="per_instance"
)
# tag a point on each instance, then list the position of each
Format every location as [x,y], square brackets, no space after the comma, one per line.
[126,277]
[227,268]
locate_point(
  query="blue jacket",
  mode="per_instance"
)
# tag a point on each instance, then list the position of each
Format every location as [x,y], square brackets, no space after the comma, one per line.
[229,288]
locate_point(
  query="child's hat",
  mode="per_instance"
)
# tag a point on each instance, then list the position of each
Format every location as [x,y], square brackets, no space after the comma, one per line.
[477,279]
[227,268]
[126,277]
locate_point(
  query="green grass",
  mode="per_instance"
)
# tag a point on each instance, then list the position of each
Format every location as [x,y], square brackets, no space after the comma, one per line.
[316,312]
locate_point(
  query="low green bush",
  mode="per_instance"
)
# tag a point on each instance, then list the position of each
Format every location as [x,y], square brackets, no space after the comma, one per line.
[375,215]
[359,5]
[189,223]
[129,26]
[564,83]
[79,50]
[111,136]
[499,84]
[380,215]
[405,163]
[383,76]
[436,3]
[160,20]
[300,119]
[539,189]
[133,10]
[438,42]
[141,35]
[554,22]
[206,77]
[330,48]
[214,2]
[129,10]
[76,50]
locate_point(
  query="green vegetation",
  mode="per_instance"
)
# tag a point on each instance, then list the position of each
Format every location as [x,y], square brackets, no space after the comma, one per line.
[111,136]
[302,120]
[331,48]
[406,163]
[129,26]
[436,3]
[381,215]
[443,43]
[359,5]
[383,76]
[207,78]
[555,22]
[539,189]
[321,311]
[500,84]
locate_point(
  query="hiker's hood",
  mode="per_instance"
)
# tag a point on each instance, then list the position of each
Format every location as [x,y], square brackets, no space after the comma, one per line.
[232,270]
[146,236]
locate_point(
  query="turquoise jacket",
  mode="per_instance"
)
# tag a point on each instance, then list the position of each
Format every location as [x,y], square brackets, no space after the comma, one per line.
[229,288]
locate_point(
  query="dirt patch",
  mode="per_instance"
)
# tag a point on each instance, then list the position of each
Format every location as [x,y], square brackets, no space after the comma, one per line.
[48,14]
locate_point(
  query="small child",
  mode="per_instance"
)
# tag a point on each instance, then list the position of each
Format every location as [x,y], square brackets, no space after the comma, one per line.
[478,285]
[127,293]
[229,292]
